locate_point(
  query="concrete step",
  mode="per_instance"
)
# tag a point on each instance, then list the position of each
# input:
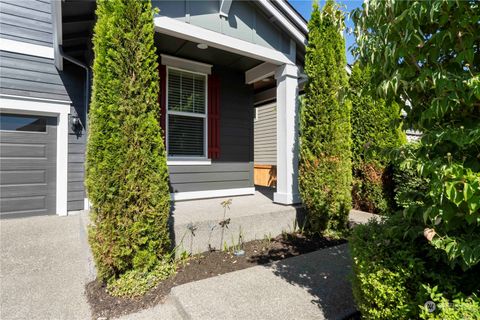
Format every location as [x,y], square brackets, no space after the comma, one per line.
[196,223]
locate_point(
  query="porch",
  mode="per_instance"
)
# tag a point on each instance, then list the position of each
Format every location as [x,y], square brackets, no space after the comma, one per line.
[217,62]
[216,158]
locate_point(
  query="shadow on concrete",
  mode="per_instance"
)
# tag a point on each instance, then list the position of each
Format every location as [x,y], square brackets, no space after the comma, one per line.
[325,276]
[266,191]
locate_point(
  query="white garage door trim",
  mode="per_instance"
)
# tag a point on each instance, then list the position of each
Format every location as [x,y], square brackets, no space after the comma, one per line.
[59,109]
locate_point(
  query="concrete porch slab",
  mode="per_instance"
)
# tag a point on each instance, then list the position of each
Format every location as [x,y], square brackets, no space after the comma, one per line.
[251,217]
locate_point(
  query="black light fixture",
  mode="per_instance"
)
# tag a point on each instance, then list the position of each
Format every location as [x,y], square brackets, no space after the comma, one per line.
[75,123]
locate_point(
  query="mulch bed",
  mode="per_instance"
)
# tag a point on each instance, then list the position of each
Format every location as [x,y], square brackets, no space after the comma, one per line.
[205,265]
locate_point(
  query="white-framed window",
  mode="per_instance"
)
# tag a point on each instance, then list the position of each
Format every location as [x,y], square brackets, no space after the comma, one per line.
[187,115]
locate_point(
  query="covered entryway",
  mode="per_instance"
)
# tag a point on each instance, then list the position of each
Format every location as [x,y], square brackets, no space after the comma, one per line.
[28,149]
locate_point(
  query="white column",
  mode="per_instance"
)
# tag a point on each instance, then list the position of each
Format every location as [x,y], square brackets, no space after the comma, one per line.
[287,135]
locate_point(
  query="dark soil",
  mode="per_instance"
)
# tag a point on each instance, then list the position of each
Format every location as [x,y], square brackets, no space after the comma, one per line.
[202,266]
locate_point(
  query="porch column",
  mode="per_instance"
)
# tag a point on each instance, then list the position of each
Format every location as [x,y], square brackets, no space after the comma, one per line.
[287,135]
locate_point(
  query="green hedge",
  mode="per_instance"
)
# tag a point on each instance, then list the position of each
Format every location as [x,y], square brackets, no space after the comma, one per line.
[393,277]
[325,172]
[375,128]
[410,188]
[126,170]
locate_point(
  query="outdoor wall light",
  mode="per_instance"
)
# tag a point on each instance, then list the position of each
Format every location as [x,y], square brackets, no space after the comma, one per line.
[75,122]
[202,46]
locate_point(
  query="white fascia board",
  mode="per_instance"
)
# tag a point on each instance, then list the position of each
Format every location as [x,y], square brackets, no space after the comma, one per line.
[292,29]
[61,111]
[260,72]
[225,8]
[186,64]
[178,196]
[294,15]
[26,48]
[186,31]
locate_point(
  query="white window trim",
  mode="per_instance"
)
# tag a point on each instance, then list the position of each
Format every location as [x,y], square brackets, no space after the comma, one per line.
[191,195]
[188,160]
[187,65]
[24,105]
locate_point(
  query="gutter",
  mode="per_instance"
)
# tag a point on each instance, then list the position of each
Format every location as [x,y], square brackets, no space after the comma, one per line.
[87,80]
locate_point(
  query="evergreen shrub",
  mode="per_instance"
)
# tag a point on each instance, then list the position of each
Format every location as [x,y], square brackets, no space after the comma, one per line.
[325,171]
[375,129]
[126,170]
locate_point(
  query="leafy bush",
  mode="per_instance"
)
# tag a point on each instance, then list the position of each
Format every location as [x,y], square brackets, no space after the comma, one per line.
[385,273]
[430,63]
[325,172]
[375,128]
[459,308]
[127,178]
[393,277]
[410,187]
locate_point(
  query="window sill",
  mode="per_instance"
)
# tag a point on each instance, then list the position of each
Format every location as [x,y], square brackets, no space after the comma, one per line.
[186,162]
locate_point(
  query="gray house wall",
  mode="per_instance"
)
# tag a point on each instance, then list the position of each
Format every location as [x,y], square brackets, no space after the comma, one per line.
[265,135]
[234,168]
[245,21]
[26,21]
[36,77]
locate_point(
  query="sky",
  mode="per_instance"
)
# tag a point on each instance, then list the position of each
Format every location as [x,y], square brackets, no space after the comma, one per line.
[305,8]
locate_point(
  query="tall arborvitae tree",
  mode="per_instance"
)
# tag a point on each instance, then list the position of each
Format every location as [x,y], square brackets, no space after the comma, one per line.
[325,170]
[375,129]
[127,177]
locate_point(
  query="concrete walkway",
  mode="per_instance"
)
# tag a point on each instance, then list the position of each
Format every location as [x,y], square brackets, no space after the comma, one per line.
[310,286]
[44,265]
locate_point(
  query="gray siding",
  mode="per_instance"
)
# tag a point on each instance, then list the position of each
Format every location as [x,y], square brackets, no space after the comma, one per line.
[26,21]
[30,76]
[35,77]
[234,168]
[76,172]
[245,21]
[77,138]
[265,135]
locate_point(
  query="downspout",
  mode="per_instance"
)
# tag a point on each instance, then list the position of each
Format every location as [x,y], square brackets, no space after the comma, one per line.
[87,81]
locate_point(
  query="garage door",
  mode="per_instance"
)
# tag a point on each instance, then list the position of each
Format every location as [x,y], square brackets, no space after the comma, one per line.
[27,165]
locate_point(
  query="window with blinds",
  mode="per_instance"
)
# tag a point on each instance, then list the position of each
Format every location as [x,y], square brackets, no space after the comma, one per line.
[186,113]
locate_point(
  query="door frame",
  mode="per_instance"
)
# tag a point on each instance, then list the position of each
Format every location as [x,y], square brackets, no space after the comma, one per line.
[53,108]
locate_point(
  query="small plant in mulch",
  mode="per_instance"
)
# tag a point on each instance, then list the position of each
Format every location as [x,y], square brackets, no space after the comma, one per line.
[211,228]
[224,222]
